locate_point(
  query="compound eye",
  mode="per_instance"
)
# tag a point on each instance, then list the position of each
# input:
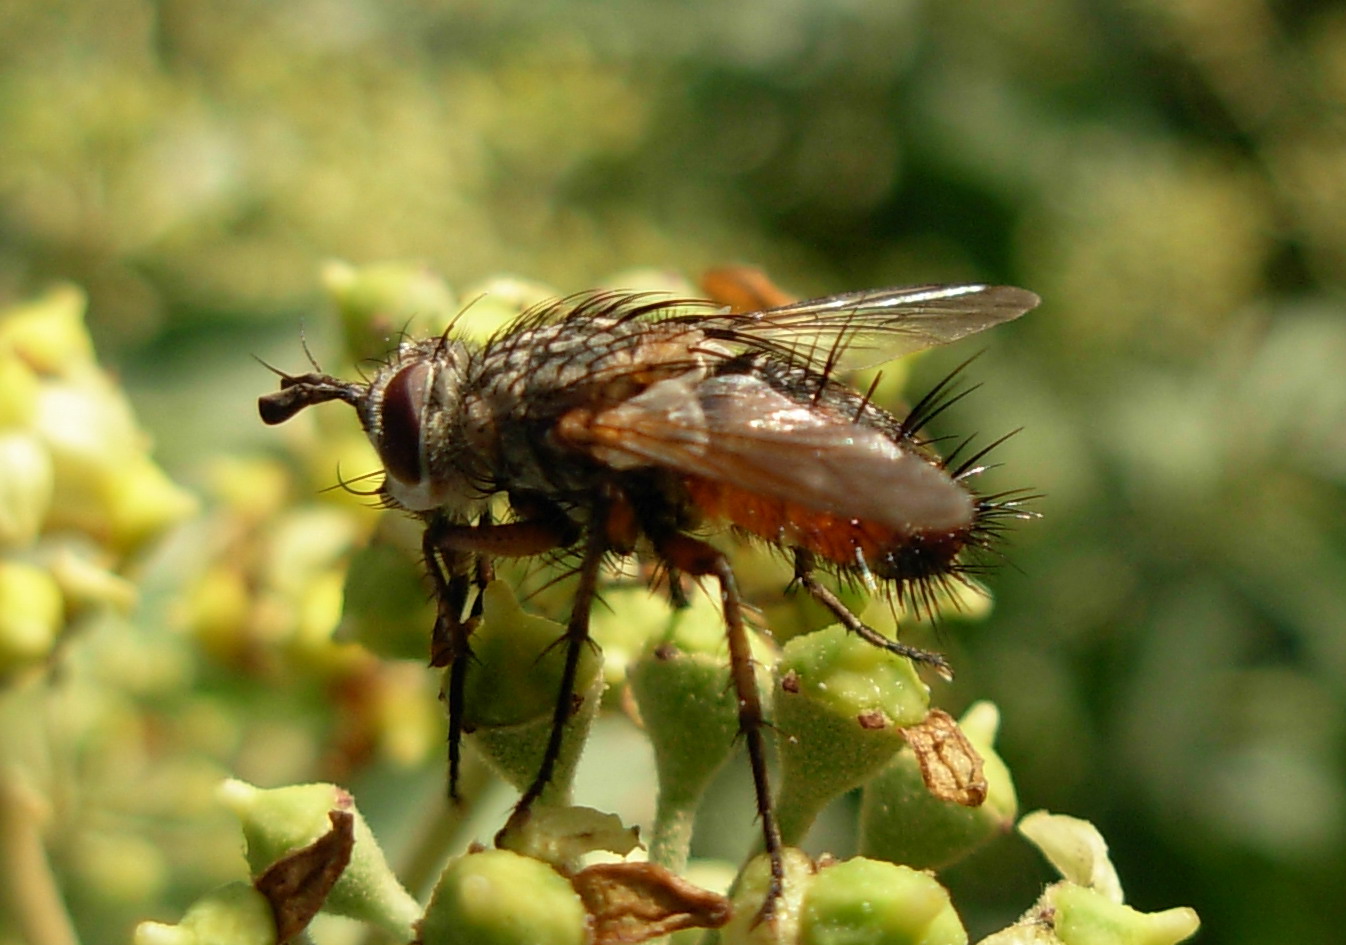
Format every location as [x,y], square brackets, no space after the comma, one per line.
[400,422]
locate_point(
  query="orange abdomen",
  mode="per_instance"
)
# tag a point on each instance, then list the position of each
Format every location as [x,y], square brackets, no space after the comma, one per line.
[884,551]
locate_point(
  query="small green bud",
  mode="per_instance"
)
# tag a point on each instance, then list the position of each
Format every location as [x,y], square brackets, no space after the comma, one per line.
[141,501]
[839,706]
[862,901]
[235,914]
[381,301]
[497,302]
[32,613]
[19,387]
[1075,848]
[84,579]
[517,662]
[1086,907]
[26,485]
[690,713]
[901,821]
[745,927]
[497,897]
[623,628]
[105,482]
[280,820]
[385,606]
[561,836]
[49,333]
[1088,917]
[511,692]
[688,707]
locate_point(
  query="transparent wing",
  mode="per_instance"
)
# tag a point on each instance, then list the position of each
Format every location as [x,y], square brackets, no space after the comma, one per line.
[875,325]
[737,430]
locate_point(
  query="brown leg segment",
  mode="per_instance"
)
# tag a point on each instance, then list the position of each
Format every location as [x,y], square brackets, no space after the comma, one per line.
[697,558]
[804,574]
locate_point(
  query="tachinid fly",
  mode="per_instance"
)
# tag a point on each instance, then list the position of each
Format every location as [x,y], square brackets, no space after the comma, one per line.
[622,423]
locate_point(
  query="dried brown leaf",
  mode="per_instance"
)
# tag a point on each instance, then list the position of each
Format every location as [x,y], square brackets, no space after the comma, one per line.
[297,884]
[633,902]
[950,766]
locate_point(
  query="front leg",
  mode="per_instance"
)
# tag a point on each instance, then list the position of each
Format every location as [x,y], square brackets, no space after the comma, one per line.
[449,550]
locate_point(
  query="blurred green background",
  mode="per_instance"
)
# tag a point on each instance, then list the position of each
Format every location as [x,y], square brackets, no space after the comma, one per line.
[1169,647]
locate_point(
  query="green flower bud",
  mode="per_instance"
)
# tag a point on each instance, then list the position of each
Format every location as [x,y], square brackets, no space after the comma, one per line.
[497,897]
[1088,917]
[838,709]
[495,303]
[385,605]
[690,713]
[217,608]
[901,821]
[123,867]
[631,617]
[561,836]
[19,386]
[511,692]
[32,613]
[84,579]
[1075,848]
[1086,908]
[1030,930]
[744,928]
[251,489]
[379,302]
[26,486]
[870,901]
[105,484]
[235,914]
[281,820]
[49,333]
[141,501]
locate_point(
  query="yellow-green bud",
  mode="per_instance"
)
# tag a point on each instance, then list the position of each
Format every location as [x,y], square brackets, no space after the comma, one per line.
[381,301]
[838,708]
[690,712]
[141,501]
[385,605]
[235,914]
[497,897]
[105,483]
[49,333]
[26,486]
[1087,917]
[749,895]
[495,303]
[901,821]
[281,820]
[19,386]
[870,901]
[32,612]
[1076,848]
[512,687]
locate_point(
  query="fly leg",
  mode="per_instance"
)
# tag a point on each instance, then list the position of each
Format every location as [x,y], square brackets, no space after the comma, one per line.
[449,642]
[448,551]
[697,558]
[807,578]
[576,637]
